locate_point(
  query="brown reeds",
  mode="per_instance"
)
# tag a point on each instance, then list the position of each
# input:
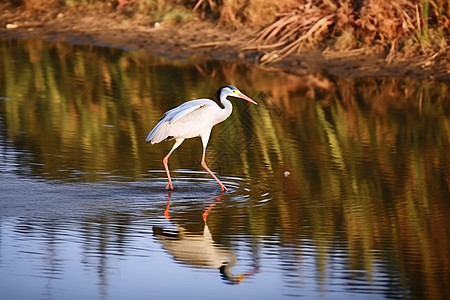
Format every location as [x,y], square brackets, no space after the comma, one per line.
[373,25]
[278,29]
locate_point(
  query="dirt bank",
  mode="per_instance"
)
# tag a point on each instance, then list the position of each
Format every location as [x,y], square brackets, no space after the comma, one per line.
[204,40]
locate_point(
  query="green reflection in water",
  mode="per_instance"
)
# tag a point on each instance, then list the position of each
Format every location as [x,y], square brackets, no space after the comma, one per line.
[361,162]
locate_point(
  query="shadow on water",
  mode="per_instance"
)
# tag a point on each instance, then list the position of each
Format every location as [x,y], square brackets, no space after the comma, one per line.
[339,187]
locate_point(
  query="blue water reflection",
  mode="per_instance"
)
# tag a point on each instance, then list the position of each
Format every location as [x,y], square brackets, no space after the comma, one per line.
[338,187]
[111,246]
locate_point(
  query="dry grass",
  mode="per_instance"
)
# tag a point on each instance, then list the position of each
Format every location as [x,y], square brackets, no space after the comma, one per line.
[291,26]
[375,25]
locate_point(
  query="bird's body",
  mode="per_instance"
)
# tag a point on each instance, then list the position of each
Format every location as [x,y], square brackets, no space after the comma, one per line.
[194,118]
[191,119]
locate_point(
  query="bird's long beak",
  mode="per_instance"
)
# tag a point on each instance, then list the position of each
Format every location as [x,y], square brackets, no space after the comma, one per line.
[246,98]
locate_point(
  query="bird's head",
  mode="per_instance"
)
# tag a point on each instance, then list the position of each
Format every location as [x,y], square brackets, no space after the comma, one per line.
[232,91]
[230,278]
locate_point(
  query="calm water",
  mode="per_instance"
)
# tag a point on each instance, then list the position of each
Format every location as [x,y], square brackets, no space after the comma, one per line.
[337,187]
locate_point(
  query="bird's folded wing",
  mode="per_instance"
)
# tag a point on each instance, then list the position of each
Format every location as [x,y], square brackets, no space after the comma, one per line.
[182,110]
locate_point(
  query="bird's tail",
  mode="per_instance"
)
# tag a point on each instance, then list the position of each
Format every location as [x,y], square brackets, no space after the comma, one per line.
[148,138]
[159,133]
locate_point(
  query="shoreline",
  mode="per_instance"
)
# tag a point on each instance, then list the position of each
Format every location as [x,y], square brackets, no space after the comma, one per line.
[206,42]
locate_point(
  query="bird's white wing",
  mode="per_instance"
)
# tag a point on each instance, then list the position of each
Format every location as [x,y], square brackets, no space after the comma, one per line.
[167,126]
[182,110]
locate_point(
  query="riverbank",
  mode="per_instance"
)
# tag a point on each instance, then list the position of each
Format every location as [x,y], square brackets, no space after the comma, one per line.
[202,40]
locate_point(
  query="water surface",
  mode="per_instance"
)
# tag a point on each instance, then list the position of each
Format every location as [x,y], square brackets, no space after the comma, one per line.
[338,187]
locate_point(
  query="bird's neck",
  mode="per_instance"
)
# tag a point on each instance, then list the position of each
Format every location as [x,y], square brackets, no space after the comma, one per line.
[224,110]
[224,103]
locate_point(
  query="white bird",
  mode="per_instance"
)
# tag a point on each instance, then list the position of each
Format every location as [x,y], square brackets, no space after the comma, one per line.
[194,118]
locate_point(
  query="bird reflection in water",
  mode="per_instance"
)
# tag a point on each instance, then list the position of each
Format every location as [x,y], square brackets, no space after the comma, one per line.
[199,250]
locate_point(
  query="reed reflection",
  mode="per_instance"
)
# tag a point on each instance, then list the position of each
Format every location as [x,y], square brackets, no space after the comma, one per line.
[366,159]
[199,250]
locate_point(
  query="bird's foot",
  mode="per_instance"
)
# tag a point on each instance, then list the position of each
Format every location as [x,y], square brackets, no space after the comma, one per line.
[169,185]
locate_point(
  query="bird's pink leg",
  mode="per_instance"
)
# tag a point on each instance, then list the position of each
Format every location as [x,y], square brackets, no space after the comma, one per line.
[211,173]
[166,166]
[166,161]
